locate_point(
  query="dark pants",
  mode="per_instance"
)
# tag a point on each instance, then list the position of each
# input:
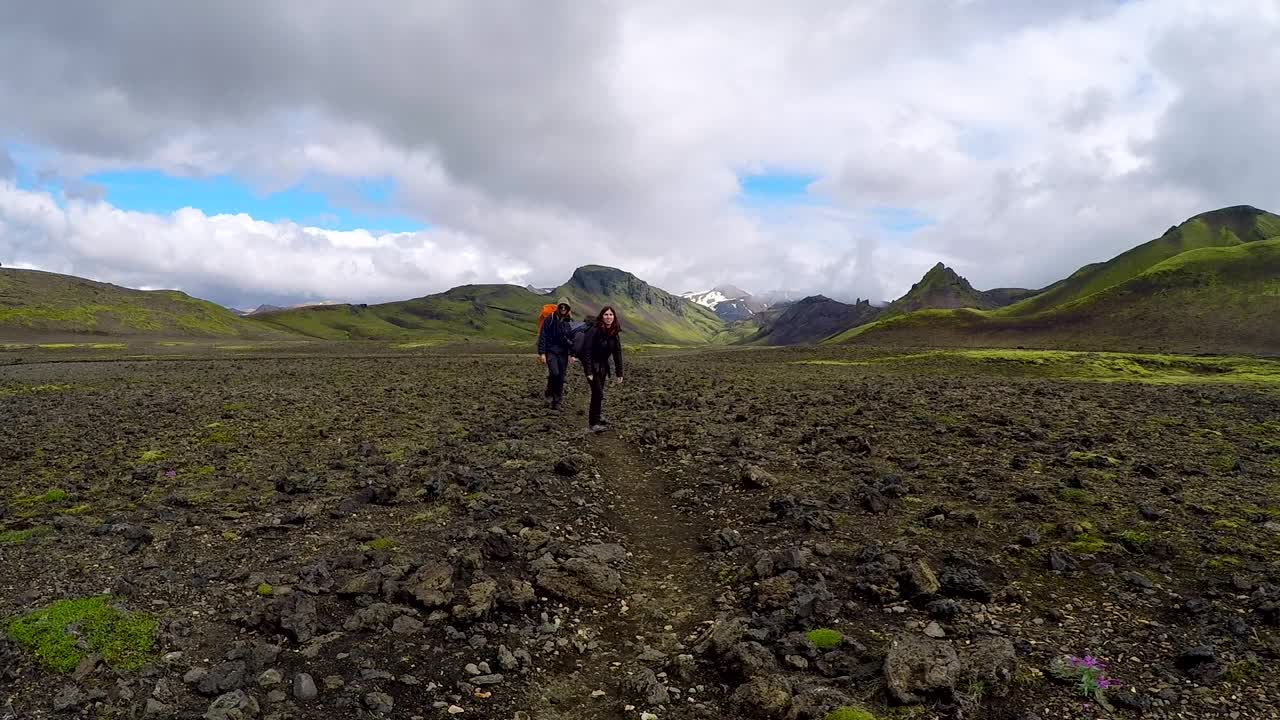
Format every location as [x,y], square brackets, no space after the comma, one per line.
[557,366]
[598,383]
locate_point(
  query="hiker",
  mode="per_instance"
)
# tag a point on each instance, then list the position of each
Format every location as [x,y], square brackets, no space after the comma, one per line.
[601,343]
[553,350]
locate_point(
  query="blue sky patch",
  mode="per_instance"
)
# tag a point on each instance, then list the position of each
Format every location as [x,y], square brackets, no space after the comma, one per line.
[900,220]
[155,192]
[774,188]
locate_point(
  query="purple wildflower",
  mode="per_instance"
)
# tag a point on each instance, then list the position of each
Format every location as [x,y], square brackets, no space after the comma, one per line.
[171,473]
[1104,683]
[1088,662]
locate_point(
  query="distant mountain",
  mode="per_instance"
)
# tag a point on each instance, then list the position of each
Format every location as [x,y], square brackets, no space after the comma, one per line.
[33,303]
[812,320]
[538,290]
[1211,284]
[728,302]
[509,312]
[650,314]
[942,288]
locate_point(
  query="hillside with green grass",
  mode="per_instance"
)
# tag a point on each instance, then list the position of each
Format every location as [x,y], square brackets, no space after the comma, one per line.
[507,313]
[649,314]
[491,312]
[942,289]
[1212,299]
[1226,227]
[35,303]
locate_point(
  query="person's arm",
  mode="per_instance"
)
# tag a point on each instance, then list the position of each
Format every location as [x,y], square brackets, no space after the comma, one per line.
[542,340]
[617,357]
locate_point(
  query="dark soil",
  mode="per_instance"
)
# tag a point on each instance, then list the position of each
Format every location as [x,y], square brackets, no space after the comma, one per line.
[383,523]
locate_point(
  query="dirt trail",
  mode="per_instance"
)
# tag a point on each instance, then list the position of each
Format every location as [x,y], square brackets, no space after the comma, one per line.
[670,588]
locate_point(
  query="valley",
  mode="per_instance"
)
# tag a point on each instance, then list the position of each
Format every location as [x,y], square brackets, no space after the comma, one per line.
[786,533]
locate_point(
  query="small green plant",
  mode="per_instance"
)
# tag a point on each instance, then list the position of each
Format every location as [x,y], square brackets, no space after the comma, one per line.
[382,544]
[77,510]
[264,589]
[62,634]
[151,456]
[53,496]
[1228,524]
[1087,673]
[849,713]
[825,638]
[1243,670]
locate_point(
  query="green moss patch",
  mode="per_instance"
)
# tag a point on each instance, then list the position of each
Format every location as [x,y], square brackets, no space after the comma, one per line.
[382,544]
[18,537]
[62,634]
[1092,459]
[849,713]
[1086,544]
[151,456]
[825,638]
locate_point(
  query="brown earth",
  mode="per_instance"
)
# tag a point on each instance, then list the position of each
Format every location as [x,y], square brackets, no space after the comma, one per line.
[380,523]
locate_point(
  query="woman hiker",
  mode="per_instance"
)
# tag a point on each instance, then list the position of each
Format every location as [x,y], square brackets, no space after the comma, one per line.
[553,350]
[602,345]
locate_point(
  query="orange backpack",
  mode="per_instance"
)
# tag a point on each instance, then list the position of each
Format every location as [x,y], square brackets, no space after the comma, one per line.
[547,311]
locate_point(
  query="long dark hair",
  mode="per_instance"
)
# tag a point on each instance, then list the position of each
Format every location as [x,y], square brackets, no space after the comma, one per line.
[616,327]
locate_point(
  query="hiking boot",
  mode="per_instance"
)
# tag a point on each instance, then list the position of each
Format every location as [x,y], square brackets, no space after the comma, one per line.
[555,404]
[598,428]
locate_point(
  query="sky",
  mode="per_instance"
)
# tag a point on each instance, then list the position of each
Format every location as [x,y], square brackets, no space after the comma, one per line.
[282,151]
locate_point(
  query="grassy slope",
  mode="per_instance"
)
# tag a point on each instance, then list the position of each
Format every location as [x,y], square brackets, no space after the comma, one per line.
[939,288]
[502,313]
[1220,228]
[1211,299]
[649,315]
[492,312]
[34,302]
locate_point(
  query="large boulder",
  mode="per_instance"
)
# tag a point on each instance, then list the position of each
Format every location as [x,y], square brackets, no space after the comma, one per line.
[918,667]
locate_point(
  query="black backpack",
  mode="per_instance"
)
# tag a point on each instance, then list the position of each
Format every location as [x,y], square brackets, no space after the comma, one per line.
[578,334]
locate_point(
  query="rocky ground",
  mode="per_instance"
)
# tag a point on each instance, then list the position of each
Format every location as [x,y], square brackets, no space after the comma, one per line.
[408,537]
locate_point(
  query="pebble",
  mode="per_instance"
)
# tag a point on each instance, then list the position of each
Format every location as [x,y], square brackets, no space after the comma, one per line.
[270,678]
[471,669]
[934,630]
[304,688]
[454,710]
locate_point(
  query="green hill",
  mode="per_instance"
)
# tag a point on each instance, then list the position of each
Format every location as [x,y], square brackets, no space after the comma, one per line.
[648,314]
[1220,228]
[1207,299]
[491,312]
[34,303]
[508,313]
[942,288]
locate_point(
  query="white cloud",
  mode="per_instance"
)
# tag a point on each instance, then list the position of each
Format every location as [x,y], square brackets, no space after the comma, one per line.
[534,138]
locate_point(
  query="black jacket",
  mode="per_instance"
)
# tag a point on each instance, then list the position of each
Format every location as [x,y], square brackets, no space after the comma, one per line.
[601,347]
[554,336]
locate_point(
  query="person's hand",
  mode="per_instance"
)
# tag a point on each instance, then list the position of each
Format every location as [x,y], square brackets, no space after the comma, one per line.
[543,358]
[619,380]
[590,378]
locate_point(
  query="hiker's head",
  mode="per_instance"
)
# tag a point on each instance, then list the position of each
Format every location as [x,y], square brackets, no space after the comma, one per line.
[563,308]
[608,319]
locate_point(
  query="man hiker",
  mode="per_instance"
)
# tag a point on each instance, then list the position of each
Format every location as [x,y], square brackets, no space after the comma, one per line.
[553,350]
